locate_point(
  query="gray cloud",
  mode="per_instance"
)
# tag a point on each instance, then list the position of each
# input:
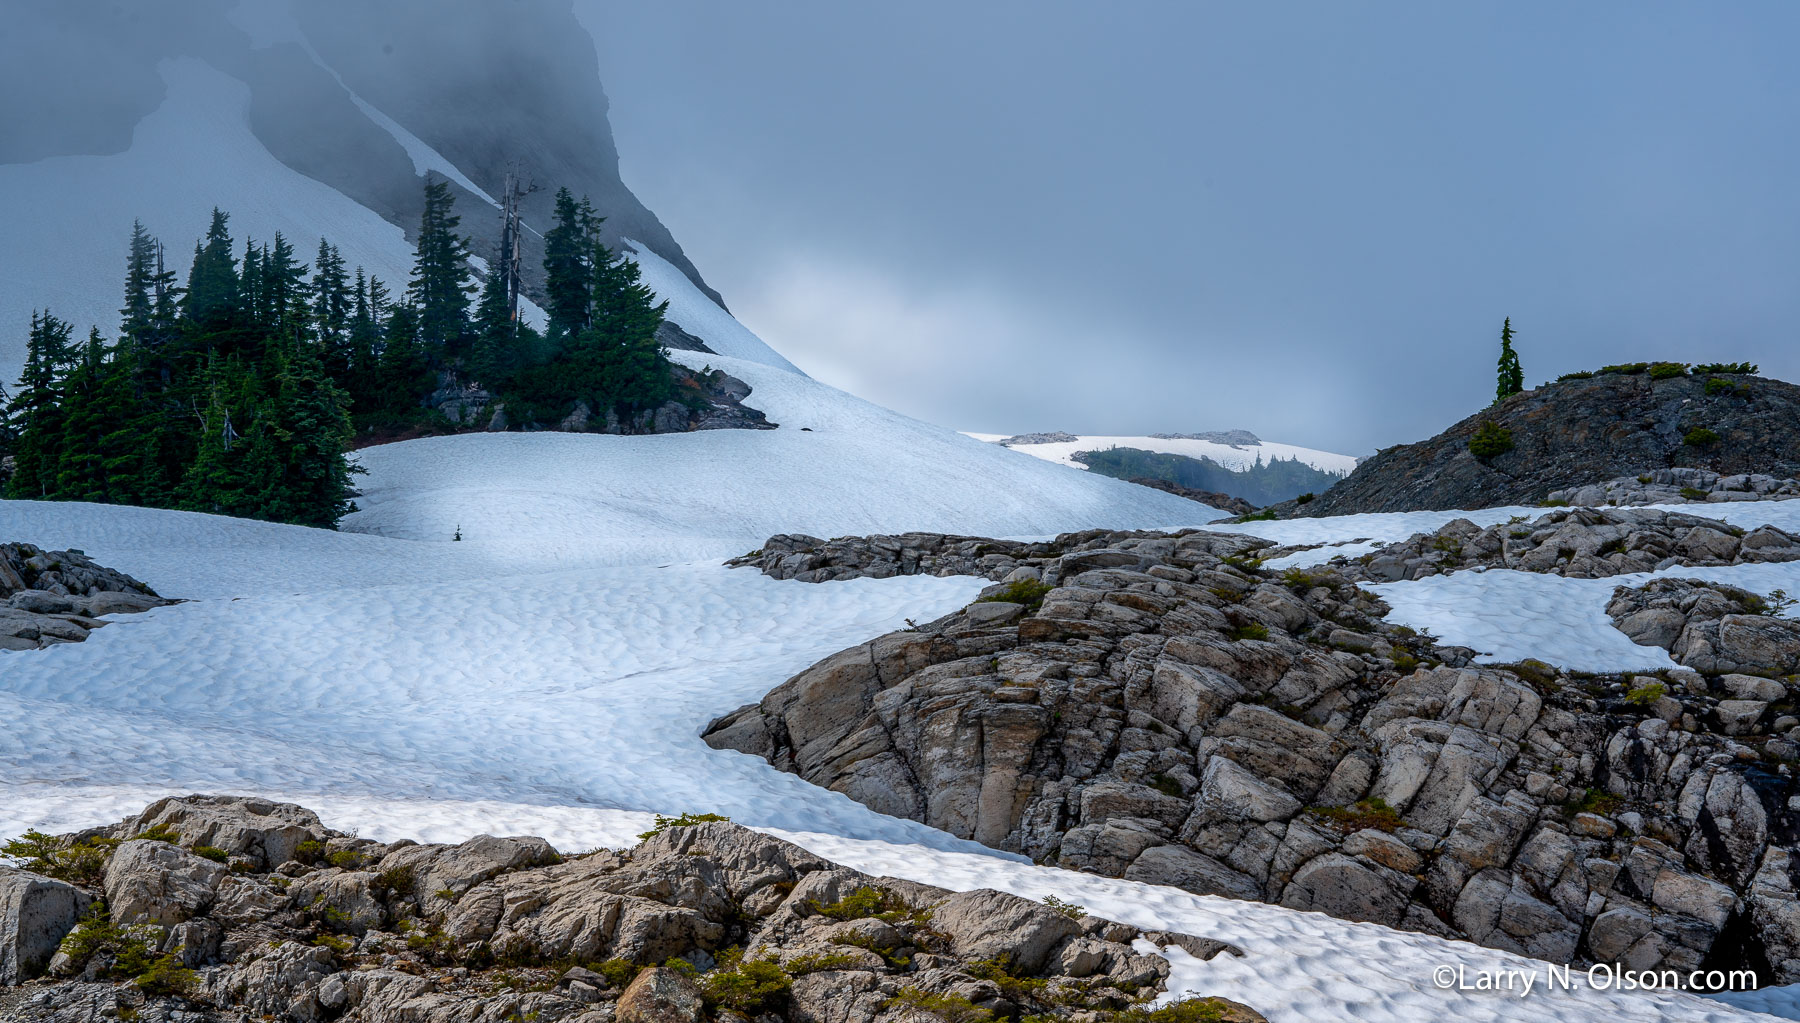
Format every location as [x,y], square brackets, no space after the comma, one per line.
[1307,220]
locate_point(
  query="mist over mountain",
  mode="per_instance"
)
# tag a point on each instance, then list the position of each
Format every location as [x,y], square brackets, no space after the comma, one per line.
[364,98]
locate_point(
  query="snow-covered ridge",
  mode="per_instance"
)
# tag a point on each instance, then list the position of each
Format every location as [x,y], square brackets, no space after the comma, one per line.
[1235,457]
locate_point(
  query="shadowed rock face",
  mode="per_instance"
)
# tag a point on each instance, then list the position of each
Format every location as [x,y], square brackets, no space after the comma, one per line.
[281,917]
[1580,432]
[486,84]
[1157,707]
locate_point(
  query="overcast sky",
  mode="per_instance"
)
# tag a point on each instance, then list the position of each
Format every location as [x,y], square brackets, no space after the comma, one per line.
[1303,219]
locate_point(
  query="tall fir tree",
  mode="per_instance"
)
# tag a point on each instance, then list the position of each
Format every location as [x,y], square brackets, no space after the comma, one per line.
[35,411]
[441,278]
[568,270]
[1511,378]
[495,335]
[213,303]
[332,307]
[138,315]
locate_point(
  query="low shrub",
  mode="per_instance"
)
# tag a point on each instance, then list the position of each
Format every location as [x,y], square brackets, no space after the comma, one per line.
[346,859]
[81,863]
[1368,813]
[1068,909]
[1255,630]
[1717,386]
[746,988]
[166,977]
[1580,374]
[1693,493]
[1306,498]
[1266,515]
[1700,437]
[398,880]
[686,820]
[212,852]
[1667,370]
[949,1008]
[1029,592]
[1592,801]
[1187,1010]
[1741,368]
[159,833]
[869,901]
[1625,368]
[1490,439]
[821,962]
[618,972]
[1646,695]
[130,950]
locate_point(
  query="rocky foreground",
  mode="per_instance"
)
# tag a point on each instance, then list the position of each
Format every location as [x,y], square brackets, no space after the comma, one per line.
[50,597]
[1160,707]
[228,908]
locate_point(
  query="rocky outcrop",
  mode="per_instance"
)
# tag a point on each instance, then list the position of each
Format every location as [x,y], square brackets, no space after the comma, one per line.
[1574,433]
[708,399]
[1056,437]
[1679,486]
[1580,543]
[1160,708]
[1212,498]
[50,597]
[1713,628]
[812,560]
[702,920]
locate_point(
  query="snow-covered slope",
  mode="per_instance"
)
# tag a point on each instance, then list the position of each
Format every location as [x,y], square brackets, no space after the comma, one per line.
[68,218]
[1239,456]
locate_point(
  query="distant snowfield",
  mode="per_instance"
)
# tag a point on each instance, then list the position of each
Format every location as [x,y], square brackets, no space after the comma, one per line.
[1238,458]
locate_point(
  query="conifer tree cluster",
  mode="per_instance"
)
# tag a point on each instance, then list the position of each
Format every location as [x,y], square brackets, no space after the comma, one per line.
[242,391]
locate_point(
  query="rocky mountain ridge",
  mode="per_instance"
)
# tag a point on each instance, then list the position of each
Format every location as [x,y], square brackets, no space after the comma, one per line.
[1577,432]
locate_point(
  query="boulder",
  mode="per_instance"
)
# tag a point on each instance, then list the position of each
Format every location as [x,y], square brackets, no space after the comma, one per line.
[987,924]
[35,914]
[263,830]
[660,995]
[152,882]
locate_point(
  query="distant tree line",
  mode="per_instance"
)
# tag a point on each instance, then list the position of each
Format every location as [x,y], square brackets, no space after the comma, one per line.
[1262,484]
[241,391]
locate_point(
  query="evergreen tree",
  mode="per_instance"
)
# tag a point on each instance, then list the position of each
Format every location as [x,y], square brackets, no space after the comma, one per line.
[139,312]
[1511,377]
[441,276]
[295,469]
[35,412]
[495,336]
[214,301]
[568,273]
[284,293]
[332,307]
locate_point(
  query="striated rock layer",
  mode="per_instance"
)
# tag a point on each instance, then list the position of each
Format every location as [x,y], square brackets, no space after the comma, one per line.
[1158,707]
